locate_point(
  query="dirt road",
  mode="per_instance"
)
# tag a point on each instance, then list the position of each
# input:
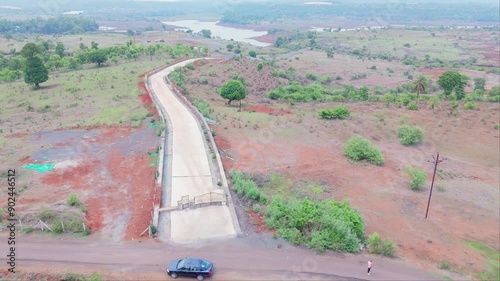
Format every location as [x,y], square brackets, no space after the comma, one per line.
[234,259]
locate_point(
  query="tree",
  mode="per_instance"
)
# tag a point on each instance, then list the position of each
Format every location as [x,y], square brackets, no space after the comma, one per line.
[35,72]
[151,51]
[420,85]
[229,47]
[206,33]
[97,56]
[60,49]
[30,50]
[253,54]
[233,90]
[130,32]
[260,66]
[479,84]
[94,45]
[453,81]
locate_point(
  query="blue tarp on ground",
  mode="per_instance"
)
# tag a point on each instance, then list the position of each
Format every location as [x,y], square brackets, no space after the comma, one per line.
[42,168]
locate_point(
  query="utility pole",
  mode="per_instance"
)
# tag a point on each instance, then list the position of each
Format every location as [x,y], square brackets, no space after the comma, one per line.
[436,162]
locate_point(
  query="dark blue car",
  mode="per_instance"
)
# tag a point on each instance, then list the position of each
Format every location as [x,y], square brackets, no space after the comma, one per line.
[190,267]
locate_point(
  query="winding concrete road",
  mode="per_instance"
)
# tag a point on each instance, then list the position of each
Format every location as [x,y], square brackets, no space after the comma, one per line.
[189,173]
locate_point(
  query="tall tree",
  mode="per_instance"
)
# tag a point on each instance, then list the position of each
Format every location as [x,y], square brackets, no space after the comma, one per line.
[479,84]
[233,90]
[34,69]
[453,81]
[419,86]
[97,56]
[30,50]
[60,49]
[35,72]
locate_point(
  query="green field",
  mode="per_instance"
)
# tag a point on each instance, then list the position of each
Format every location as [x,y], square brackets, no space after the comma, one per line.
[106,95]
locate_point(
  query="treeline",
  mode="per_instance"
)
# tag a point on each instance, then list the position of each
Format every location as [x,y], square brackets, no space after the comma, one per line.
[378,12]
[58,25]
[58,57]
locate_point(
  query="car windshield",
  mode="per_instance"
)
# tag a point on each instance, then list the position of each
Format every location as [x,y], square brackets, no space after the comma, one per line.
[181,263]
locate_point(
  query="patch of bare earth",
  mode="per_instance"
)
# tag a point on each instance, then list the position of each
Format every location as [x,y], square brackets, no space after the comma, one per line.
[308,148]
[108,167]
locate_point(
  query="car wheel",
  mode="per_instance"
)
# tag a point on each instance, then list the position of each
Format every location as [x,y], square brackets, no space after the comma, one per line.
[173,275]
[200,277]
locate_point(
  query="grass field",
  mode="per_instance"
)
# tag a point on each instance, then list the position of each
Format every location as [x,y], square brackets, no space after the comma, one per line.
[106,95]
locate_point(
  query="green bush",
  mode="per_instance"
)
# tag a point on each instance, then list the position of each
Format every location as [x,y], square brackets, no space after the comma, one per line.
[339,112]
[256,208]
[58,228]
[413,106]
[470,106]
[203,107]
[409,135]
[311,76]
[445,265]
[153,229]
[190,66]
[73,199]
[318,225]
[298,93]
[418,177]
[359,148]
[381,246]
[246,187]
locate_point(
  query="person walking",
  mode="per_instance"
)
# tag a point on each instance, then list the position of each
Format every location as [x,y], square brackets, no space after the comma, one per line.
[370,263]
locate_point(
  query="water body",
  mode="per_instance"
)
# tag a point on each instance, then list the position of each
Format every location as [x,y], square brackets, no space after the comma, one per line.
[223,32]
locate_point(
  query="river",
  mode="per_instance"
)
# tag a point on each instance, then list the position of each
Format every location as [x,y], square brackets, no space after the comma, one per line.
[223,32]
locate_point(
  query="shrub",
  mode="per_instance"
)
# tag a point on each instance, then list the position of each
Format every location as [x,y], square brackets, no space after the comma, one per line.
[203,107]
[28,229]
[381,246]
[190,66]
[73,199]
[418,177]
[246,187]
[153,229]
[470,106]
[339,112]
[359,148]
[319,225]
[311,76]
[256,208]
[57,228]
[410,134]
[413,106]
[444,265]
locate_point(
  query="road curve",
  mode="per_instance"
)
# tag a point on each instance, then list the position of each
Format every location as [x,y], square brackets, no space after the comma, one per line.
[190,173]
[234,259]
